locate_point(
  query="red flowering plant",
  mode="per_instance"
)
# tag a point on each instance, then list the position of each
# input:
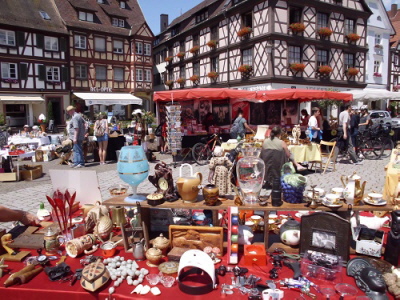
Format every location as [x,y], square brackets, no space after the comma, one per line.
[377,74]
[297,67]
[297,27]
[169,59]
[212,75]
[212,43]
[244,31]
[379,46]
[324,69]
[325,31]
[352,71]
[169,83]
[181,80]
[194,49]
[195,78]
[353,37]
[181,54]
[245,69]
[396,88]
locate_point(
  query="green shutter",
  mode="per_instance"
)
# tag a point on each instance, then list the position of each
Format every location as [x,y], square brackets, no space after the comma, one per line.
[40,41]
[63,44]
[20,38]
[64,74]
[23,71]
[42,73]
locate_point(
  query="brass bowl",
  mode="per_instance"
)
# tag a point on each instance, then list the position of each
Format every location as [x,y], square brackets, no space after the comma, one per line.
[118,190]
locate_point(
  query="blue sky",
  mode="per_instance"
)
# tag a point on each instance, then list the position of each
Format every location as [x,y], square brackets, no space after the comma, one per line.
[153,8]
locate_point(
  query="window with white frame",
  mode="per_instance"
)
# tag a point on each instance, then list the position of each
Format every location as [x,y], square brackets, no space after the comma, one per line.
[182,72]
[294,54]
[247,57]
[81,72]
[214,64]
[139,74]
[9,71]
[202,16]
[322,57]
[147,75]
[101,73]
[295,15]
[118,46]
[196,68]
[100,44]
[377,66]
[80,41]
[214,33]
[147,49]
[322,20]
[119,74]
[377,39]
[348,60]
[349,26]
[44,15]
[52,73]
[85,16]
[139,48]
[122,4]
[7,37]
[118,22]
[50,43]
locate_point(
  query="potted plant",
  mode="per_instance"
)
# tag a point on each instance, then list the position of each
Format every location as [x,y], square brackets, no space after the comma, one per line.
[169,83]
[325,31]
[245,69]
[377,74]
[379,46]
[195,79]
[324,70]
[212,43]
[42,122]
[297,27]
[396,88]
[352,71]
[245,31]
[169,59]
[353,37]
[181,54]
[194,49]
[181,80]
[297,67]
[213,75]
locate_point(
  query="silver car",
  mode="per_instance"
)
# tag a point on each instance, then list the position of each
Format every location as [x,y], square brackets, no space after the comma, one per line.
[380,116]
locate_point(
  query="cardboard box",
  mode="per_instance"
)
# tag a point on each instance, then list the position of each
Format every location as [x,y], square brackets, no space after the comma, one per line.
[31,174]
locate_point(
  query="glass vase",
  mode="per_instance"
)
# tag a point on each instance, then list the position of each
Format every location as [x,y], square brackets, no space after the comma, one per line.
[250,172]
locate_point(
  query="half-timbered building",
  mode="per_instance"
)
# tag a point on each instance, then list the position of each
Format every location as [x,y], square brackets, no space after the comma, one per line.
[34,61]
[110,52]
[394,81]
[261,45]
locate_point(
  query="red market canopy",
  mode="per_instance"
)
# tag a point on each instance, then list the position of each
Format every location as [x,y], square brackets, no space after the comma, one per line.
[225,93]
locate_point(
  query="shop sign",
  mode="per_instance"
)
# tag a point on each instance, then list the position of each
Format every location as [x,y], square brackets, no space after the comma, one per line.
[101,89]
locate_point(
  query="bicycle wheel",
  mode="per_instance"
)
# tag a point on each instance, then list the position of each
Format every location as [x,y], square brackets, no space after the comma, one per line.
[201,153]
[3,139]
[371,149]
[387,146]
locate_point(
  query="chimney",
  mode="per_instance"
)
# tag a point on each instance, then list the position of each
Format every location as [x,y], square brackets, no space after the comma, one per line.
[163,22]
[393,9]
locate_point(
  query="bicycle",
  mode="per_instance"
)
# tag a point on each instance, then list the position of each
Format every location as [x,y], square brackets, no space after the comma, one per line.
[3,136]
[202,152]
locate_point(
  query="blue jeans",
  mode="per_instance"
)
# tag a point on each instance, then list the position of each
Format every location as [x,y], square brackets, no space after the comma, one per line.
[78,154]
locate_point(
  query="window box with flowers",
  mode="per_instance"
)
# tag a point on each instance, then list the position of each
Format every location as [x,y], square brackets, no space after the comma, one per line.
[325,32]
[297,27]
[297,67]
[352,71]
[325,70]
[169,59]
[377,74]
[180,55]
[195,79]
[169,83]
[353,37]
[212,44]
[244,32]
[245,70]
[194,49]
[181,80]
[396,88]
[378,46]
[9,80]
[213,75]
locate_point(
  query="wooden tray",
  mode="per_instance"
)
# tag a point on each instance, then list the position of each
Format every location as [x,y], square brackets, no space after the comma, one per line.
[196,237]
[28,239]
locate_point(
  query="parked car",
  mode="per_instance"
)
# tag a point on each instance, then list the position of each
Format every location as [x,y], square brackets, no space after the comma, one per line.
[377,116]
[396,122]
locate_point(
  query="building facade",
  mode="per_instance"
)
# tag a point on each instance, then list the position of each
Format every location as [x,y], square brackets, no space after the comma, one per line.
[34,61]
[394,81]
[262,45]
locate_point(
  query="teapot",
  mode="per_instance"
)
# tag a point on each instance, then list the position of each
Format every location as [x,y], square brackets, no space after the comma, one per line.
[154,257]
[188,187]
[138,250]
[353,188]
[161,242]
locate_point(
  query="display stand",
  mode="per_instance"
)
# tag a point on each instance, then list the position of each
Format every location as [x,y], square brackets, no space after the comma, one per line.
[174,132]
[233,234]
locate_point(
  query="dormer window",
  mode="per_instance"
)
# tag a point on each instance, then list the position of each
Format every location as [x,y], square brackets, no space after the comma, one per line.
[202,16]
[85,16]
[44,15]
[122,4]
[100,1]
[174,31]
[118,22]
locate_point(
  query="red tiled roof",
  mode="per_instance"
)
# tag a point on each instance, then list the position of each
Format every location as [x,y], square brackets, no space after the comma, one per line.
[395,19]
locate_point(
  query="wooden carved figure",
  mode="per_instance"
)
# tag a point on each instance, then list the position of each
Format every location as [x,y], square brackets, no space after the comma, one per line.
[5,240]
[220,165]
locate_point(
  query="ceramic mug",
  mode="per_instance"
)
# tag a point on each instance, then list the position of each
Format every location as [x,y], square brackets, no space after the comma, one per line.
[337,191]
[333,198]
[375,197]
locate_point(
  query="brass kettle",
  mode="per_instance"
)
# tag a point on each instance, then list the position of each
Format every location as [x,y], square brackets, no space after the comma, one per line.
[353,188]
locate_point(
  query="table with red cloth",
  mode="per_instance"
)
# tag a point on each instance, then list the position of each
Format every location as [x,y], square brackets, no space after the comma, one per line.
[42,288]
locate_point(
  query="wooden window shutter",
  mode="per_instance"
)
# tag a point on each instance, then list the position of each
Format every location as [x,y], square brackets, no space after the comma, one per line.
[64,74]
[20,38]
[23,71]
[42,73]
[63,44]
[40,41]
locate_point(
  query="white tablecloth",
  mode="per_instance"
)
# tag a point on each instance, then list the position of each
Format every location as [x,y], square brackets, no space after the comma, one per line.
[16,139]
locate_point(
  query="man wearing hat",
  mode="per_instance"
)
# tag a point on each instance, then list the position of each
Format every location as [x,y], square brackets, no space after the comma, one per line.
[26,130]
[76,132]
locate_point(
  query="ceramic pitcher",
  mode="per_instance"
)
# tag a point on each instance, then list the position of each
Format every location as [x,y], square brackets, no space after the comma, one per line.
[189,186]
[353,188]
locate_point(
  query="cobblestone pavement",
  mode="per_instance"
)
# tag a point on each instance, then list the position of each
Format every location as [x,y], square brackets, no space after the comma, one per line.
[28,194]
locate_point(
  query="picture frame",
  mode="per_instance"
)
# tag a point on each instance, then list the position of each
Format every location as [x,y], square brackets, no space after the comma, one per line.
[327,233]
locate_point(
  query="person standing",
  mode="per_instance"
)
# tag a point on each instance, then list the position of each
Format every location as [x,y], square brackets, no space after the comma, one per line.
[313,127]
[364,119]
[304,117]
[76,130]
[239,126]
[354,123]
[101,131]
[344,134]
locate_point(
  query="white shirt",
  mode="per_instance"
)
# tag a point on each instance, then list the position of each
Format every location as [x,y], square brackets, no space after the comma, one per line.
[344,117]
[313,122]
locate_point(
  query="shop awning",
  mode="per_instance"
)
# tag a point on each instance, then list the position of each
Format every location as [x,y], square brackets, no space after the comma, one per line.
[302,95]
[109,98]
[21,99]
[374,94]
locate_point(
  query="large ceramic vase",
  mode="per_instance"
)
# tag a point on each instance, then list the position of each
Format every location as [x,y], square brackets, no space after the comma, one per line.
[250,173]
[133,168]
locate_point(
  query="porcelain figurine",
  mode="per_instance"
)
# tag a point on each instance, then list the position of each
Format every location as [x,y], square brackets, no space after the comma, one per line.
[296,132]
[219,167]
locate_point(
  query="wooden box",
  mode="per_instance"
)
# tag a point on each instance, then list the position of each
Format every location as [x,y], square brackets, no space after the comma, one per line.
[255,255]
[31,174]
[176,253]
[8,176]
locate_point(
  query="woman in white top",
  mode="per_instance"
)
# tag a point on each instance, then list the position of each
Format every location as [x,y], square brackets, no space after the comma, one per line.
[313,128]
[102,140]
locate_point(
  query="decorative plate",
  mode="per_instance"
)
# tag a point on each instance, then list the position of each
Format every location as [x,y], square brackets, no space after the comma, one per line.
[169,267]
[374,203]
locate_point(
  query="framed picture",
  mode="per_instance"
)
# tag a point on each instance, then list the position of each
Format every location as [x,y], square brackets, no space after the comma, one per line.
[221,112]
[201,109]
[273,111]
[325,232]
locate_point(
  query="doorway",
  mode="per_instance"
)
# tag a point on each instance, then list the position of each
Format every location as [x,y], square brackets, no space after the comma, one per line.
[57,109]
